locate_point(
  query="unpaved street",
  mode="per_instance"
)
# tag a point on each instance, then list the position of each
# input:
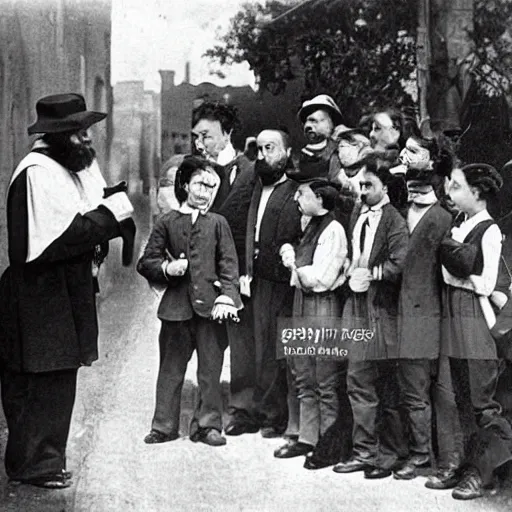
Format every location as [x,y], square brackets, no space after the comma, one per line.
[116,472]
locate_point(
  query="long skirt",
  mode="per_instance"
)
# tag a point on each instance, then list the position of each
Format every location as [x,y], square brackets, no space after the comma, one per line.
[464,331]
[38,409]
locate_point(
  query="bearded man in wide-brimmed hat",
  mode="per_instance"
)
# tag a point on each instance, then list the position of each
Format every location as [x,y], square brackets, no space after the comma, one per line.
[319,117]
[60,216]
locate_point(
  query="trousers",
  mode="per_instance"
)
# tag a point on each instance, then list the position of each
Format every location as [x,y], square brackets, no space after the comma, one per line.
[177,341]
[378,432]
[270,299]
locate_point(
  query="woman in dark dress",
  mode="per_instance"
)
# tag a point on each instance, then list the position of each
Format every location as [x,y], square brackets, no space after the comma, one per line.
[470,257]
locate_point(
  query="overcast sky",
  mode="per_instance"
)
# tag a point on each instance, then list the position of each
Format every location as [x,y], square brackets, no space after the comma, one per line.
[148,35]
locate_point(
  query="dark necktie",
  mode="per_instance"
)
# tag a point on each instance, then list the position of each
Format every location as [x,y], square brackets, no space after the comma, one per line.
[362,238]
[459,219]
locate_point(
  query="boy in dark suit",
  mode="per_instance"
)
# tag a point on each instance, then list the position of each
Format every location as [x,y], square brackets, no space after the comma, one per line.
[192,251]
[379,246]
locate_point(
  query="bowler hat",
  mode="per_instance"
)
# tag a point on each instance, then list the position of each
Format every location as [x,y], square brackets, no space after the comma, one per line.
[63,113]
[320,102]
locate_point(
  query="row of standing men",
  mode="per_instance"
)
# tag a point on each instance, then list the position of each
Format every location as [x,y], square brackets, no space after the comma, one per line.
[424,295]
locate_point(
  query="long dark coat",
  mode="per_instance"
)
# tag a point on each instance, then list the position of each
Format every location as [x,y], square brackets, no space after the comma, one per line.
[232,201]
[47,306]
[419,310]
[377,309]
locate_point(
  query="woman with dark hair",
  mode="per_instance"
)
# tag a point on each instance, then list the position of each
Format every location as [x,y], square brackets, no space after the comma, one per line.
[316,264]
[470,259]
[191,251]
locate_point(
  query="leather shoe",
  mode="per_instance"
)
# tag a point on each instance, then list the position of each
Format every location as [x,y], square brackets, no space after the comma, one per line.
[374,473]
[444,479]
[350,466]
[470,487]
[312,463]
[155,437]
[212,437]
[408,471]
[237,428]
[292,449]
[271,432]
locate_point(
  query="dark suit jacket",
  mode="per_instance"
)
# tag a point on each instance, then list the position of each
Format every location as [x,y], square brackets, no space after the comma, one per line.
[378,307]
[209,248]
[419,321]
[280,224]
[232,201]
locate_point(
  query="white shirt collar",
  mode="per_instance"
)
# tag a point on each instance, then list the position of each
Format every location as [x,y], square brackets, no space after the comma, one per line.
[427,199]
[470,223]
[318,146]
[227,155]
[188,210]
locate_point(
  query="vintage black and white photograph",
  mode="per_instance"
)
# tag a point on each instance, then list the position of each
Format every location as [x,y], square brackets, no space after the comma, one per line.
[255,255]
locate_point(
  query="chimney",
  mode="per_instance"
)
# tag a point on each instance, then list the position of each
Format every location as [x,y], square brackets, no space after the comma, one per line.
[167,77]
[187,72]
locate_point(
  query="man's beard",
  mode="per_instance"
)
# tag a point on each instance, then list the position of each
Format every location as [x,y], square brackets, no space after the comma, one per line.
[74,157]
[314,137]
[270,174]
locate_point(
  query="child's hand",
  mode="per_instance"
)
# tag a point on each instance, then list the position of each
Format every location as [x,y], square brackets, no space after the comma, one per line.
[224,309]
[222,312]
[287,253]
[176,268]
[359,280]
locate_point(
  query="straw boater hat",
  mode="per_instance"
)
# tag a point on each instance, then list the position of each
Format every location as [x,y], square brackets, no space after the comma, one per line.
[63,113]
[320,102]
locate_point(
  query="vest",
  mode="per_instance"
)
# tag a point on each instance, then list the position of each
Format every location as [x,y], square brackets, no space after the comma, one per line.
[474,237]
[306,249]
[466,258]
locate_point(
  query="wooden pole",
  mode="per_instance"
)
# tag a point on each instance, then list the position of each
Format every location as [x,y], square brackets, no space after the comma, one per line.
[423,64]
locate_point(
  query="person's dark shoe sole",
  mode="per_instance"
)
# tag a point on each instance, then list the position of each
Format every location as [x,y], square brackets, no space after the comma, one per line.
[316,464]
[466,494]
[376,473]
[271,433]
[238,429]
[50,482]
[155,437]
[213,438]
[291,450]
[441,484]
[405,473]
[350,467]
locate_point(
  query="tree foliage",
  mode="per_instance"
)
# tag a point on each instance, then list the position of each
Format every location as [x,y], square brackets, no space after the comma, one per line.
[491,58]
[362,52]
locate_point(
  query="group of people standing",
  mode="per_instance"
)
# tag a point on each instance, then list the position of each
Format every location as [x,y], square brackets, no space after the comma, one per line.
[383,228]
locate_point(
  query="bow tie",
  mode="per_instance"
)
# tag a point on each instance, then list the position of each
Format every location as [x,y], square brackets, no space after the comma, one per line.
[367,209]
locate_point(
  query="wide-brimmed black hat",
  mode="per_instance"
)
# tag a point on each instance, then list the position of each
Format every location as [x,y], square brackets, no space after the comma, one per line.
[63,113]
